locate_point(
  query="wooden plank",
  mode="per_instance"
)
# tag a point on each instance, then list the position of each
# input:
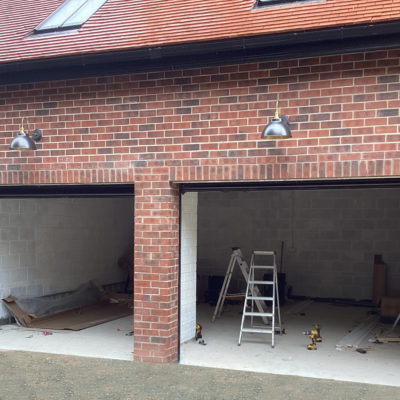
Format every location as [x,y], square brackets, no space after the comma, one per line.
[388,339]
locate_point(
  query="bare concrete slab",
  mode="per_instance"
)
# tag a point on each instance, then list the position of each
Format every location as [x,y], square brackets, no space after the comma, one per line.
[379,365]
[108,340]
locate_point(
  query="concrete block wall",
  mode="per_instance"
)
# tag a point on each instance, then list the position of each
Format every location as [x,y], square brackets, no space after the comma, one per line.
[157,129]
[330,236]
[52,245]
[188,265]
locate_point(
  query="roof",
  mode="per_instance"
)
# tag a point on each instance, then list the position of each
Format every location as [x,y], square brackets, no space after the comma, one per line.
[121,25]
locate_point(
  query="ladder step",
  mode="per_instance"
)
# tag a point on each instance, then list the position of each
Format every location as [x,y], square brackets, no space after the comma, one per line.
[261,282]
[257,330]
[258,314]
[263,266]
[264,253]
[259,298]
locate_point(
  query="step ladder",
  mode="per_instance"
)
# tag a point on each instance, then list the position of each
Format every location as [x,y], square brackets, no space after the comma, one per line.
[236,258]
[271,308]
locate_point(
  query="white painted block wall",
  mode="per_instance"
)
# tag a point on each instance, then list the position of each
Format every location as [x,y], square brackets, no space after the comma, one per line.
[50,246]
[188,266]
[330,236]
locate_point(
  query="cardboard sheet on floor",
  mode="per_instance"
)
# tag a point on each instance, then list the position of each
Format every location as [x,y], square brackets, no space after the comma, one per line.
[75,319]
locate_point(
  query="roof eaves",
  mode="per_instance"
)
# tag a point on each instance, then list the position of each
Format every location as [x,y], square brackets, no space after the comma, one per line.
[343,39]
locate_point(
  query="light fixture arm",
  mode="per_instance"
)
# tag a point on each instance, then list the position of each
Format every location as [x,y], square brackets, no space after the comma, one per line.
[21,129]
[277,110]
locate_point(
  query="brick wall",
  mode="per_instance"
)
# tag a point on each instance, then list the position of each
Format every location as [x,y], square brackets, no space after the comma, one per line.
[202,124]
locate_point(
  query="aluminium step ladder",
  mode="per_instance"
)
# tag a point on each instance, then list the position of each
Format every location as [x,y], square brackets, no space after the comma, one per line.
[236,258]
[271,300]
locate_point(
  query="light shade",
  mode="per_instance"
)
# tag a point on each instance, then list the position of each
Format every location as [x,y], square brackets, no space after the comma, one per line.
[22,142]
[277,128]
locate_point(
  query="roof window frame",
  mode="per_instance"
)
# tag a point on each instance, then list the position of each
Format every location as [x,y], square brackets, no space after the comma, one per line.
[70,15]
[271,3]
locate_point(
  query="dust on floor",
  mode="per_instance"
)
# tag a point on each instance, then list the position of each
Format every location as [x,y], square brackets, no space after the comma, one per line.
[379,365]
[108,340]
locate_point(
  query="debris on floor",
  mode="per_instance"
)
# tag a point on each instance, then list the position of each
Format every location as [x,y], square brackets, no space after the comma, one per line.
[100,341]
[388,340]
[378,365]
[354,338]
[374,341]
[85,307]
[360,350]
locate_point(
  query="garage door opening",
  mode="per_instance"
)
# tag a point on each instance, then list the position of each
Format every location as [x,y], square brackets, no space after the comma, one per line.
[66,268]
[328,241]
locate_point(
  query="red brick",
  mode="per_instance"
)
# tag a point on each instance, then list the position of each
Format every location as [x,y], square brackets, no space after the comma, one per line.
[202,124]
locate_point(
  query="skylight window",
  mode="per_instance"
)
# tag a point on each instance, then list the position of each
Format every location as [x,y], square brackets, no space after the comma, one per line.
[264,3]
[72,14]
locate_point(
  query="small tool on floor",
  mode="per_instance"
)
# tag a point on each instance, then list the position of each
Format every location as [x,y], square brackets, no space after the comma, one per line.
[198,335]
[315,336]
[198,332]
[360,350]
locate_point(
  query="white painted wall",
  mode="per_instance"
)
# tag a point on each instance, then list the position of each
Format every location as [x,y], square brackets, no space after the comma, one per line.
[53,245]
[188,265]
[330,236]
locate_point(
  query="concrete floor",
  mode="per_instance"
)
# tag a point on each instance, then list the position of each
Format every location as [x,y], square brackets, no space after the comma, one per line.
[107,340]
[380,365]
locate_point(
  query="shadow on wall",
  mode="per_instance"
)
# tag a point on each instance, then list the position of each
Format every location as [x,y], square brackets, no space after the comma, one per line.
[330,236]
[50,245]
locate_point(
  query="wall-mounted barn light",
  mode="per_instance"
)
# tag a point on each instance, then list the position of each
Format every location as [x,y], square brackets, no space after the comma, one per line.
[278,127]
[22,140]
